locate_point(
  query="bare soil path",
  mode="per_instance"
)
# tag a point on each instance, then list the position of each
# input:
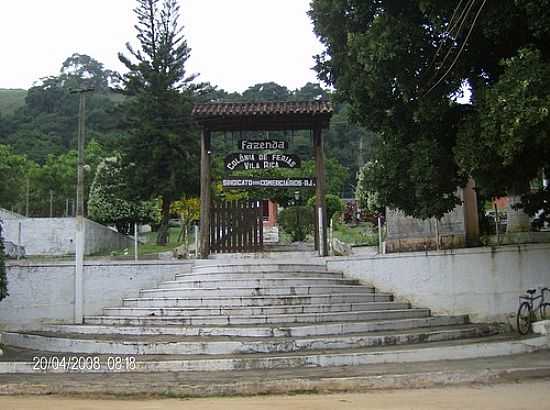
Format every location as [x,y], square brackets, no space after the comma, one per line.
[513,396]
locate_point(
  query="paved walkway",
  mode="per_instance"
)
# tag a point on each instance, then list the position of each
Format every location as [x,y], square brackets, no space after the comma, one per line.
[322,380]
[527,395]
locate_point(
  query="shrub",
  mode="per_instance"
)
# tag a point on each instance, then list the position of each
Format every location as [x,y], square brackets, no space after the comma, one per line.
[334,204]
[297,221]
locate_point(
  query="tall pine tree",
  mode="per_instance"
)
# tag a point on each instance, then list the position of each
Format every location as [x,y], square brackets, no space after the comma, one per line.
[162,143]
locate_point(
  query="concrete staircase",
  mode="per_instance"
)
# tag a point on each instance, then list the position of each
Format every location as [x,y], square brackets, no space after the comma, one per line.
[236,315]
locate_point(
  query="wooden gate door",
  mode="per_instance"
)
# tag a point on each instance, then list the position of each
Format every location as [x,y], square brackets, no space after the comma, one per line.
[236,226]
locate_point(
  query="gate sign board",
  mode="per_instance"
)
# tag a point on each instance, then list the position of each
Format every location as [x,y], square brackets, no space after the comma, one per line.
[268,183]
[261,145]
[261,161]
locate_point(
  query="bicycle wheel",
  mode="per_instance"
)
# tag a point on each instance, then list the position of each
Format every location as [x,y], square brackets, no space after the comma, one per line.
[545,311]
[524,318]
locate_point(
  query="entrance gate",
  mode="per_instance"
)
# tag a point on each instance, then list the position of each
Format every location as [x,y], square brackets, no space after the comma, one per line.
[221,117]
[236,226]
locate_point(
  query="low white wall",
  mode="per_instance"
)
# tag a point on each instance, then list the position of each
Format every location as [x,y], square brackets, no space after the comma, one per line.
[5,214]
[55,236]
[484,283]
[45,292]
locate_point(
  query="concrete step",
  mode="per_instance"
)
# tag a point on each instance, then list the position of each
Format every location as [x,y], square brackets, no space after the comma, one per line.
[230,301]
[256,283]
[261,331]
[252,311]
[257,319]
[173,345]
[261,291]
[258,275]
[491,346]
[257,265]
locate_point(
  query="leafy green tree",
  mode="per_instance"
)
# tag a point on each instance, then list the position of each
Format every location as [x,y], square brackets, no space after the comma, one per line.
[13,172]
[401,66]
[107,204]
[3,274]
[162,142]
[188,210]
[368,198]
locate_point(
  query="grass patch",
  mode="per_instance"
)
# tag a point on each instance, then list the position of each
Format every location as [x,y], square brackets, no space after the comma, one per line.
[362,234]
[150,246]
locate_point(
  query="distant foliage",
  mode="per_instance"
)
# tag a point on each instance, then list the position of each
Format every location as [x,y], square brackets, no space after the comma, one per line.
[11,100]
[3,276]
[333,202]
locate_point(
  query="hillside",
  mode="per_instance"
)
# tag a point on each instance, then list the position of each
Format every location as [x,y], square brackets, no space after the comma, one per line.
[11,99]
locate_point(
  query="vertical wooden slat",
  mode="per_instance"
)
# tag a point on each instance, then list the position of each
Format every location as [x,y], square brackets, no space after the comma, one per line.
[223,227]
[255,227]
[242,226]
[234,225]
[249,227]
[261,225]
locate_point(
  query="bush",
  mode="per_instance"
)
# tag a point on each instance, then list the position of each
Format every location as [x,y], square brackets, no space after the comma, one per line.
[334,204]
[297,221]
[3,276]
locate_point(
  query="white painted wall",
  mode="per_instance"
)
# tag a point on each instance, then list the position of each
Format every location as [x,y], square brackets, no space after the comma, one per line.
[45,292]
[5,214]
[55,236]
[484,283]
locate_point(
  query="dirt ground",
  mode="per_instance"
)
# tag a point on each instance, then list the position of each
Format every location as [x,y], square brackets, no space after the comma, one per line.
[528,395]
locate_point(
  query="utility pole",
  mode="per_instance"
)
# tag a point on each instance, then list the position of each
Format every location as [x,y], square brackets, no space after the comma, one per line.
[51,203]
[80,228]
[27,197]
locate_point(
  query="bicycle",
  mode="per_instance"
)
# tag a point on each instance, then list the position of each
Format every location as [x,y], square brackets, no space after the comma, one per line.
[526,311]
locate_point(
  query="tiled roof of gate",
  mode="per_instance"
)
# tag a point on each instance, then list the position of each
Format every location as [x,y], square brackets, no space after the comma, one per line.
[247,109]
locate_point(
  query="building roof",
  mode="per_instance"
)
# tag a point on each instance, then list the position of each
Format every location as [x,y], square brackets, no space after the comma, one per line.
[263,115]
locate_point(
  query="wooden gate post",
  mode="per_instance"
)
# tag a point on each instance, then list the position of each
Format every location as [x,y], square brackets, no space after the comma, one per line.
[320,208]
[205,194]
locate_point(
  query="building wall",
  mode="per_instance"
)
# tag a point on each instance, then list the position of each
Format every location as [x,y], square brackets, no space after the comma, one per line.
[484,283]
[40,293]
[55,236]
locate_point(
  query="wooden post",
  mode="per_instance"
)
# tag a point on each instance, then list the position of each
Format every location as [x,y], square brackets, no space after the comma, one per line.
[321,211]
[471,217]
[205,194]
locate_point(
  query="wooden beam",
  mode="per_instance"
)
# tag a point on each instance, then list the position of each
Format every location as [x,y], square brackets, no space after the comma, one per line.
[205,194]
[320,189]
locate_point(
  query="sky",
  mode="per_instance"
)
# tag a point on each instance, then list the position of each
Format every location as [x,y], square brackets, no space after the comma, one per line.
[234,43]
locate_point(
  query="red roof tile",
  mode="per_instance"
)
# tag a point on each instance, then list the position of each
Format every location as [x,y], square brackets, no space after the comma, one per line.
[247,109]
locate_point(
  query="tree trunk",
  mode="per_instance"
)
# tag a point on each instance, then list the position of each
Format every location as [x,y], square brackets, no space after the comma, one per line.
[162,234]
